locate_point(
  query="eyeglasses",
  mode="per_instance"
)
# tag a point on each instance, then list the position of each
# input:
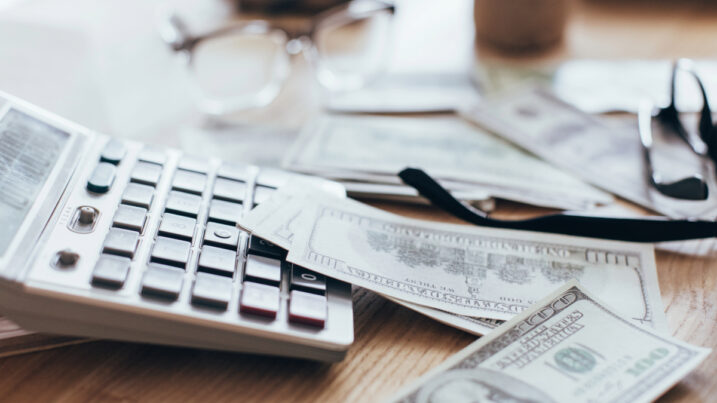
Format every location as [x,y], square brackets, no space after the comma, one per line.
[622,229]
[245,65]
[704,144]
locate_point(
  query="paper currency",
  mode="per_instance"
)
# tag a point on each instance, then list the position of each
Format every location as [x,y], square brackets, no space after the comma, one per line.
[569,347]
[465,270]
[374,149]
[607,157]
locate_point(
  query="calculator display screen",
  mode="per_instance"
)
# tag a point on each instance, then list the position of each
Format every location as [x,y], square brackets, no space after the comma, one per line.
[29,149]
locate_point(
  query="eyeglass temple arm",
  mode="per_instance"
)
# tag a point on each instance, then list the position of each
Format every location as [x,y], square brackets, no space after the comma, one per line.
[621,229]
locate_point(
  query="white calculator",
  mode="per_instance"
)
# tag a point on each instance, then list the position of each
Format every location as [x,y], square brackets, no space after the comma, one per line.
[107,238]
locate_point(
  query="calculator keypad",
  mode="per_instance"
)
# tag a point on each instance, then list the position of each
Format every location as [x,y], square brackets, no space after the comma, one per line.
[198,217]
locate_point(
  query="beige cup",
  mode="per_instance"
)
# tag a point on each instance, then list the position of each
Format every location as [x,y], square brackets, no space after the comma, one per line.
[520,24]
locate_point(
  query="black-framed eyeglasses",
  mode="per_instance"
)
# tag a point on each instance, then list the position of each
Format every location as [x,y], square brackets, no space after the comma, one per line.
[703,142]
[245,65]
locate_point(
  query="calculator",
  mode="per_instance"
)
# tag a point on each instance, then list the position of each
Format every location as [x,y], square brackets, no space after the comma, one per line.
[114,239]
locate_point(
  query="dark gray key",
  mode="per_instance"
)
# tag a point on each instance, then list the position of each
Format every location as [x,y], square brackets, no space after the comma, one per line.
[177,226]
[262,193]
[183,203]
[223,236]
[260,247]
[102,178]
[154,155]
[225,212]
[305,280]
[111,271]
[146,172]
[130,217]
[262,270]
[210,289]
[162,281]
[218,261]
[122,242]
[188,181]
[138,195]
[171,251]
[113,152]
[230,190]
[234,171]
[194,164]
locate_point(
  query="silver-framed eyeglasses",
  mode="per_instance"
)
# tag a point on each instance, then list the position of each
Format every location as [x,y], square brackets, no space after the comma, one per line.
[245,65]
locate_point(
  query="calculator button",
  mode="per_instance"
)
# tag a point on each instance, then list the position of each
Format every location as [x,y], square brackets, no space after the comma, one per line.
[310,309]
[171,251]
[111,271]
[272,178]
[162,281]
[234,171]
[121,242]
[229,190]
[149,154]
[130,217]
[262,193]
[146,172]
[188,181]
[183,203]
[113,152]
[225,212]
[217,260]
[138,195]
[260,299]
[262,270]
[102,178]
[194,164]
[210,289]
[305,280]
[177,226]
[260,247]
[223,236]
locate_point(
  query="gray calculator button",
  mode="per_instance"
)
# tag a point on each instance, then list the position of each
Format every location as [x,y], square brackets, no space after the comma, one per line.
[162,281]
[183,203]
[153,155]
[111,271]
[146,172]
[217,260]
[262,270]
[195,164]
[113,152]
[234,171]
[130,217]
[102,178]
[259,299]
[230,190]
[260,247]
[225,212]
[171,251]
[262,193]
[210,289]
[138,195]
[309,309]
[223,236]
[188,181]
[177,226]
[121,242]
[305,280]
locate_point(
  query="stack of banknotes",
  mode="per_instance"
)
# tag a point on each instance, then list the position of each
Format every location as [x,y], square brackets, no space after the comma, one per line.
[602,336]
[366,152]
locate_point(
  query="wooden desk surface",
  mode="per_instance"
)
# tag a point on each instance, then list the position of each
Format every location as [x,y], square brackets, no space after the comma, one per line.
[394,345]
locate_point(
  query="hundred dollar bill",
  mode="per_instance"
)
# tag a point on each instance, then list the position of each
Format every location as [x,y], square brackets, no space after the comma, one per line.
[451,150]
[464,270]
[569,347]
[608,157]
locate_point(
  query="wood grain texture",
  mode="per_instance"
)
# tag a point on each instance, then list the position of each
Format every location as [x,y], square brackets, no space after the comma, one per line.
[394,345]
